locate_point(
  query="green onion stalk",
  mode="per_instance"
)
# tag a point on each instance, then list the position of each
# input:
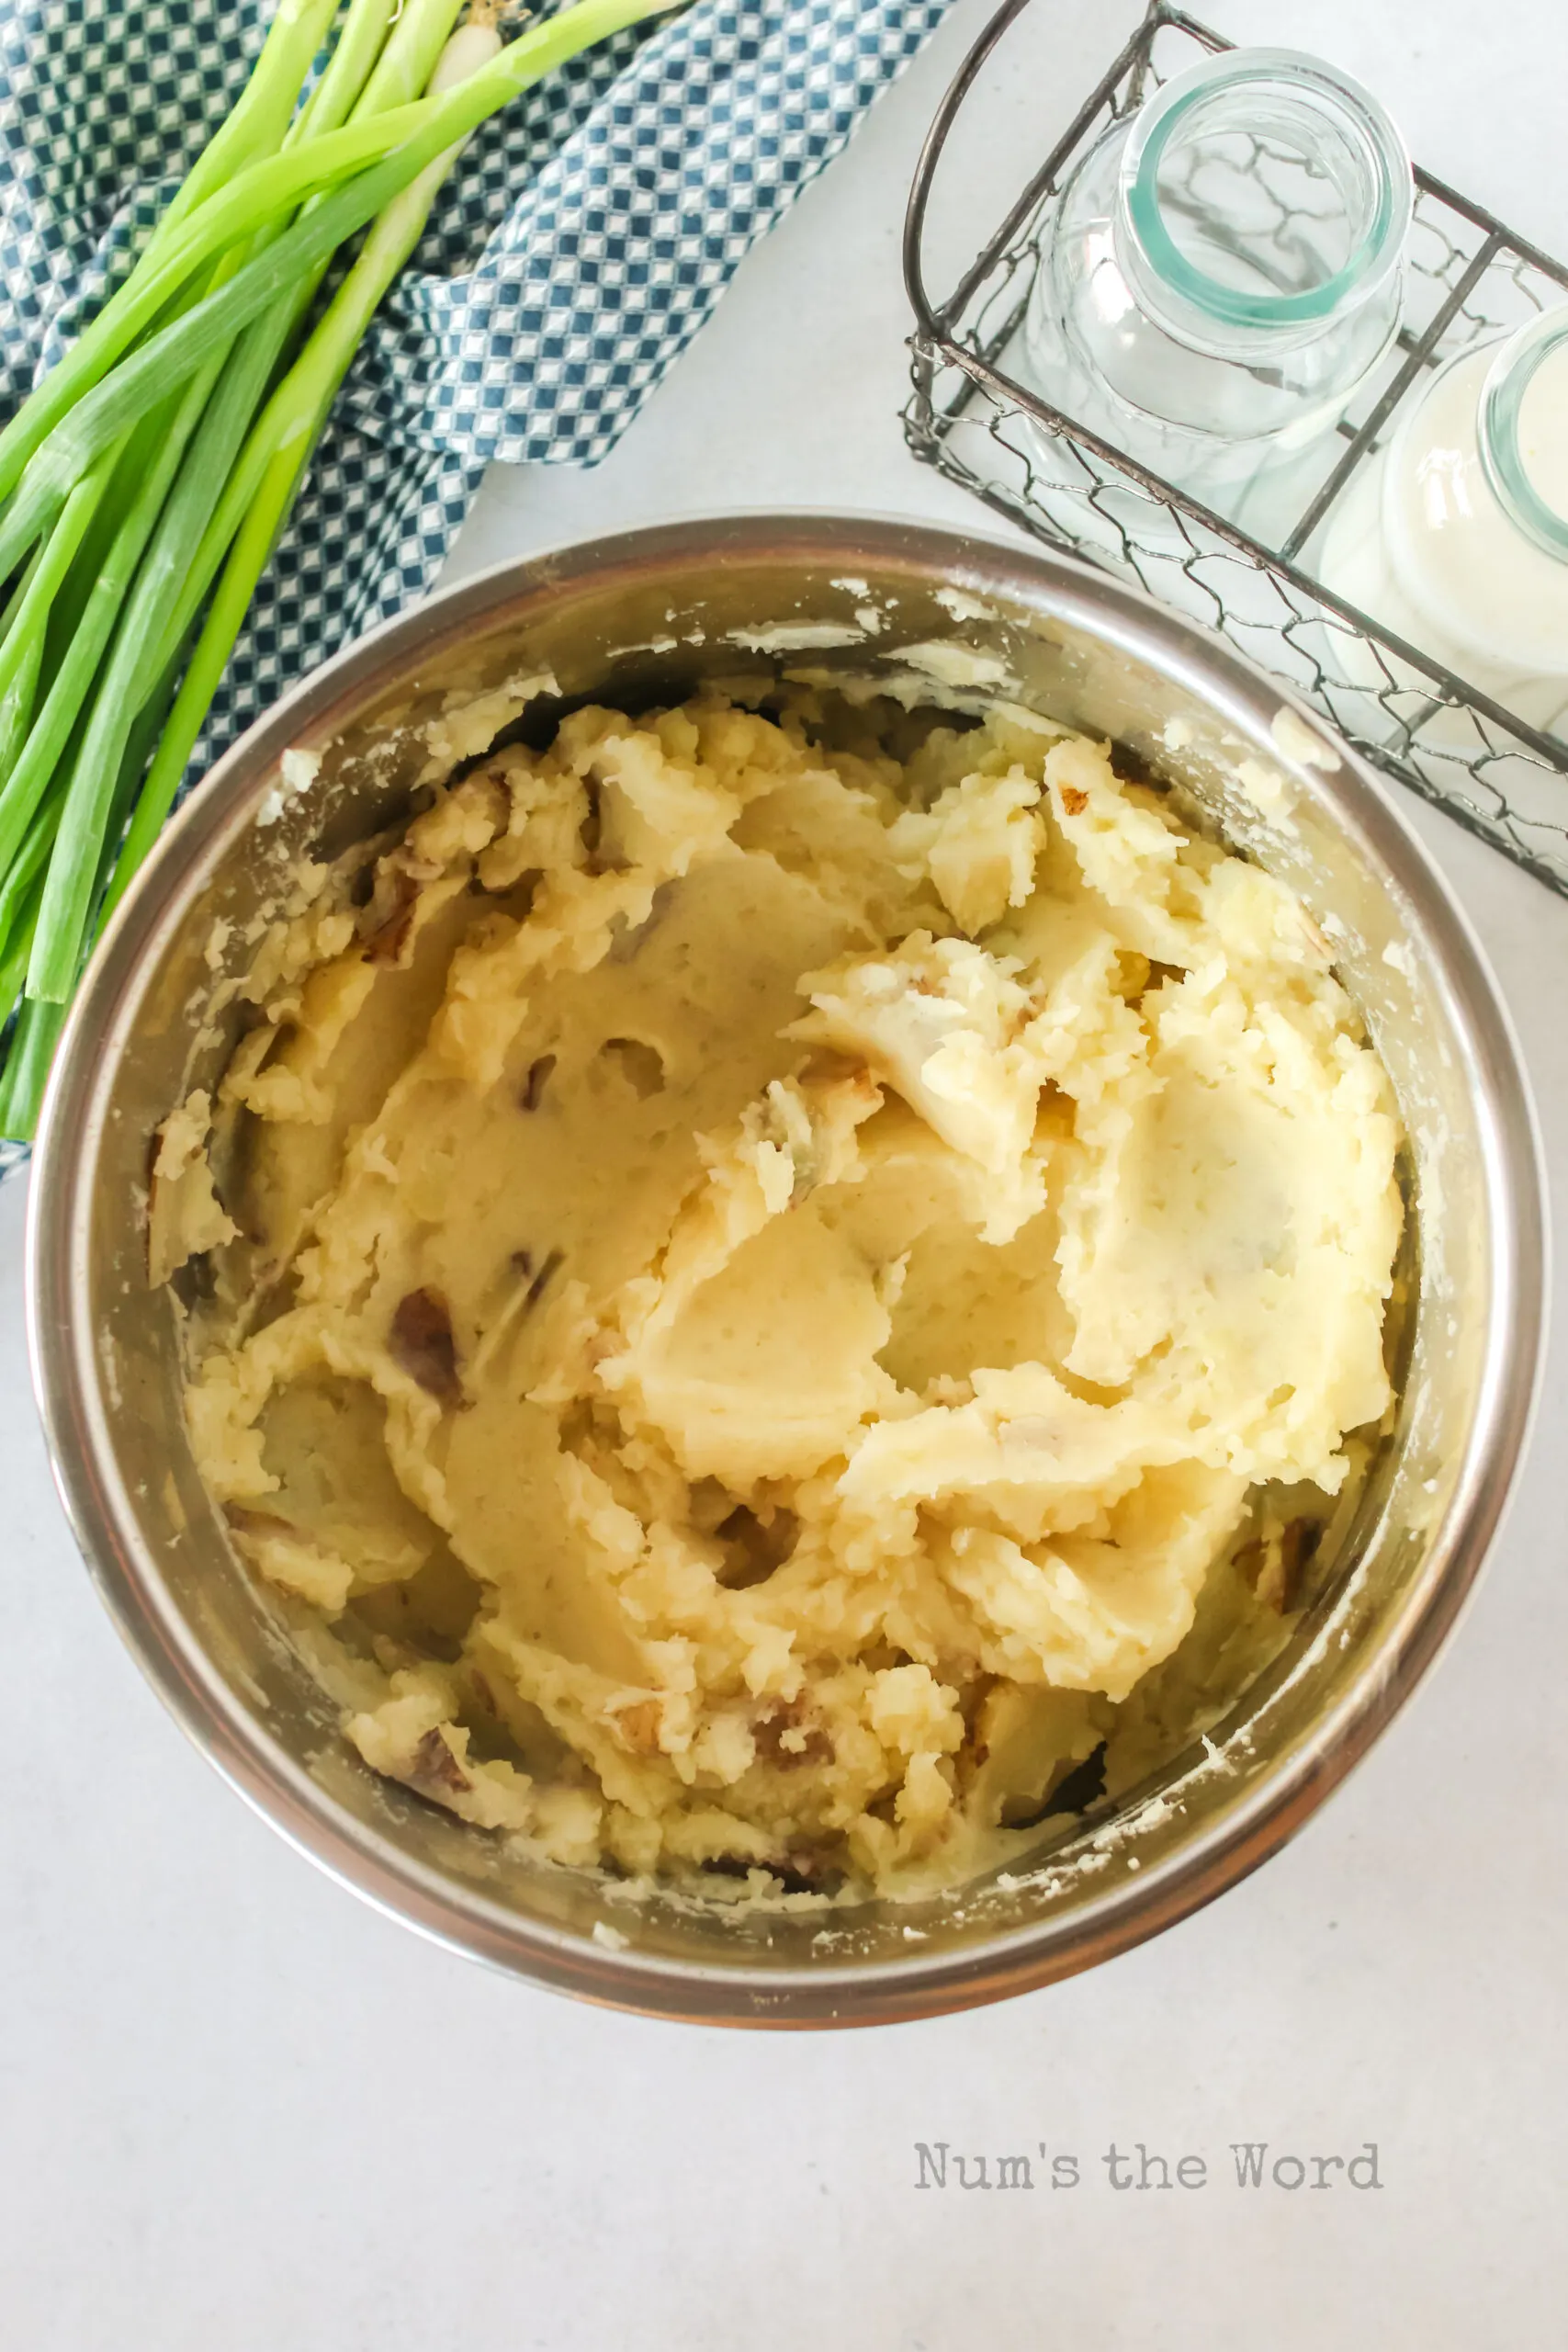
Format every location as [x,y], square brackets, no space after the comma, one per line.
[146,481]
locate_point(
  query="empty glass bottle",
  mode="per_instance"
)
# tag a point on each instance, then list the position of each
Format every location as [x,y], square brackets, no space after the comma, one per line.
[1220,274]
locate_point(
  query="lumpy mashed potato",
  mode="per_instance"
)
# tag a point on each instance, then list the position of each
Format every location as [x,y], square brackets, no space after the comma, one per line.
[782,1267]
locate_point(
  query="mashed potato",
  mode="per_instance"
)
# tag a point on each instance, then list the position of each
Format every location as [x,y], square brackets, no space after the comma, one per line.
[781,1263]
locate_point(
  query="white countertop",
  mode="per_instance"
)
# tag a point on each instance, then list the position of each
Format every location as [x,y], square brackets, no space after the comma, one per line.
[240,2112]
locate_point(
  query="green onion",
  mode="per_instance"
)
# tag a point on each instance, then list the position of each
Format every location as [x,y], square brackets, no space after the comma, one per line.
[259,120]
[277,454]
[33,1042]
[15,950]
[145,483]
[401,141]
[63,915]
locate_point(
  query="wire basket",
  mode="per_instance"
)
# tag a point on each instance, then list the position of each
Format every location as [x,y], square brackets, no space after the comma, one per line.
[1468,280]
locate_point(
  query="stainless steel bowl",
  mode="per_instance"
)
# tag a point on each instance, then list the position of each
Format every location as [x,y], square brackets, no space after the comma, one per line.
[648,614]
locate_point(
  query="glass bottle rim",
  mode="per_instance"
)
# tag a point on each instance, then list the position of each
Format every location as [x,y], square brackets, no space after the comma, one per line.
[1394,199]
[1498,417]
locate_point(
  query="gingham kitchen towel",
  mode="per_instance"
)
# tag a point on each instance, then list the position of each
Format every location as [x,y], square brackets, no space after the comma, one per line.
[580,243]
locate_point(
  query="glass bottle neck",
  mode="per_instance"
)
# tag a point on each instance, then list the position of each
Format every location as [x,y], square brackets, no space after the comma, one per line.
[1521,427]
[1259,196]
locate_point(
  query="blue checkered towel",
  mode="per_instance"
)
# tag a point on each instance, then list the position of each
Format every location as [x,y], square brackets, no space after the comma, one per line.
[581,242]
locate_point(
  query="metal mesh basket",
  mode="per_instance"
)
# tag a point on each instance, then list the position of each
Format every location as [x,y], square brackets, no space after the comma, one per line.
[1468,280]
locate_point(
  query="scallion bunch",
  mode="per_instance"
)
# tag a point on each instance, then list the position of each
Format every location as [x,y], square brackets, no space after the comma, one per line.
[144,484]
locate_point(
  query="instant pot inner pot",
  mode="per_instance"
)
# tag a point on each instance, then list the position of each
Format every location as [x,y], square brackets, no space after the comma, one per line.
[636,643]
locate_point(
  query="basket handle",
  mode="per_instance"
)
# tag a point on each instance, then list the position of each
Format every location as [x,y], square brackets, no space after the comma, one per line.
[931,325]
[928,321]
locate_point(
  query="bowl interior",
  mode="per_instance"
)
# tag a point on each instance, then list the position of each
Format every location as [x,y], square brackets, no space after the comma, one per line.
[638,621]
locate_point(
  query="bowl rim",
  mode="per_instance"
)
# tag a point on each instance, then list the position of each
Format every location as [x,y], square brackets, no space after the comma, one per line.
[453,1913]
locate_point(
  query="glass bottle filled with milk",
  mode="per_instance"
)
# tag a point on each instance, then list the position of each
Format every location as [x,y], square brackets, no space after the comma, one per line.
[1221,273]
[1456,536]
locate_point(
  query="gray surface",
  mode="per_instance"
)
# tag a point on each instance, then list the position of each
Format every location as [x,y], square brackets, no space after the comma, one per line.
[238,2110]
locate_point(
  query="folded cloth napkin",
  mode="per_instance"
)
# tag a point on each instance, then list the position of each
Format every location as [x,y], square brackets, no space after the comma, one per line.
[583,240]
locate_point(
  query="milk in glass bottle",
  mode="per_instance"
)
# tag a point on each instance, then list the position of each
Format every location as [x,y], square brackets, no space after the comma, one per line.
[1455,536]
